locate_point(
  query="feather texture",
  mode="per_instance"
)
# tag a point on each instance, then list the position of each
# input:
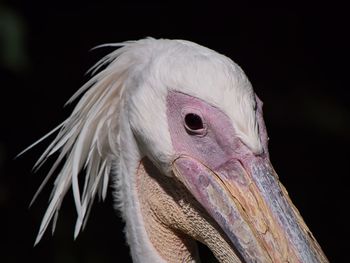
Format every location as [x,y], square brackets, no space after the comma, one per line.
[124,99]
[87,140]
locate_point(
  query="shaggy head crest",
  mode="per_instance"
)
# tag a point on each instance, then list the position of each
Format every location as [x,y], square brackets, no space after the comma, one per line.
[132,78]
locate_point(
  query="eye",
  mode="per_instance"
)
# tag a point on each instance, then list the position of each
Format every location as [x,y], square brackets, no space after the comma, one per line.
[193,122]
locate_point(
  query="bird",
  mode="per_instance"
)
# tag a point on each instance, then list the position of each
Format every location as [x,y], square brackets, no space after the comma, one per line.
[176,130]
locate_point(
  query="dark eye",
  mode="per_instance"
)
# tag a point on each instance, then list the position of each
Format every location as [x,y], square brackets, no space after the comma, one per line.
[193,122]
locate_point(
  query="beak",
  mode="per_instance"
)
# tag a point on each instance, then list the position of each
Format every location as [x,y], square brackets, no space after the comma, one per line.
[252,207]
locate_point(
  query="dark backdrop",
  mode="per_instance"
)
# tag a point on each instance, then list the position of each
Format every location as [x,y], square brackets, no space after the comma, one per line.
[295,59]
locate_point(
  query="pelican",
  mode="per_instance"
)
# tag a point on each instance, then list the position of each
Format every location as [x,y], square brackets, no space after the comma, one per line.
[178,132]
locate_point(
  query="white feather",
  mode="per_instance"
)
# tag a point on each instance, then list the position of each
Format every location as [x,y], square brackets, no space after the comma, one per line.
[123,102]
[86,139]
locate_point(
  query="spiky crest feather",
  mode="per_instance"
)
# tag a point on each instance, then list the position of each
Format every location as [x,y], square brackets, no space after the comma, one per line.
[87,140]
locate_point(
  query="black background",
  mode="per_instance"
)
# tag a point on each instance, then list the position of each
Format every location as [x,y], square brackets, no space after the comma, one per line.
[296,59]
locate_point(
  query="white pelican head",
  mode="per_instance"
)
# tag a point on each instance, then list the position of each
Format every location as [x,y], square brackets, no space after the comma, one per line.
[179,130]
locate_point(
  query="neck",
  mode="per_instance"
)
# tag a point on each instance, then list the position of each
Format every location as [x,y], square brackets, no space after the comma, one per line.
[127,200]
[138,199]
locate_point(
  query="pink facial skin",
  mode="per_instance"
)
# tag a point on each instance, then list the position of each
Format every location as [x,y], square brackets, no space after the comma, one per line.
[210,158]
[213,146]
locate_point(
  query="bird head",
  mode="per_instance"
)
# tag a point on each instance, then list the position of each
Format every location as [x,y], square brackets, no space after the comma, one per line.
[181,131]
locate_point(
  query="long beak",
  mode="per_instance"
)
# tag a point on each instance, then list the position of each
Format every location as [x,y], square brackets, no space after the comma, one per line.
[252,207]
